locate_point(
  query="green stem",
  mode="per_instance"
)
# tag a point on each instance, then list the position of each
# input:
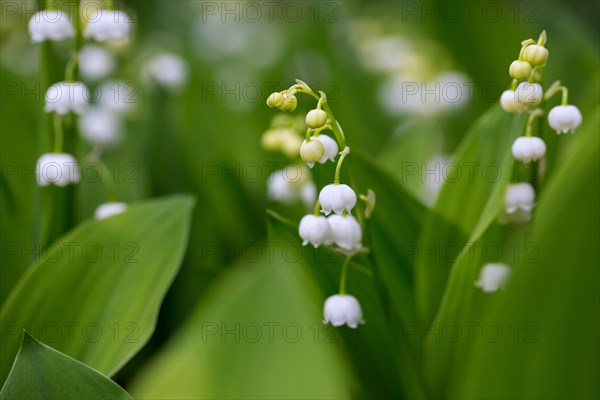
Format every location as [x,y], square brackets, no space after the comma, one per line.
[565,96]
[308,135]
[317,210]
[107,180]
[338,167]
[344,274]
[58,133]
[532,116]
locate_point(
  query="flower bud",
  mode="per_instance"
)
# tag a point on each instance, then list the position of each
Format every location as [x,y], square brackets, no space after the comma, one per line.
[520,70]
[312,152]
[289,103]
[564,119]
[275,100]
[510,103]
[530,94]
[316,119]
[535,55]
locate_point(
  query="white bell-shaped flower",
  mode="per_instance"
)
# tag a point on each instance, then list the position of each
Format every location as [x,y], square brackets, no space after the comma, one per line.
[337,198]
[345,231]
[65,97]
[168,70]
[528,148]
[519,196]
[109,209]
[331,148]
[118,96]
[95,62]
[291,184]
[59,169]
[510,102]
[101,126]
[315,230]
[530,94]
[50,25]
[565,119]
[493,277]
[342,309]
[108,25]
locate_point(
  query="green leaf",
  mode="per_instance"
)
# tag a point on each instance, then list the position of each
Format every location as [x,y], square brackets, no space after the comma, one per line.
[96,292]
[468,202]
[261,319]
[549,312]
[40,372]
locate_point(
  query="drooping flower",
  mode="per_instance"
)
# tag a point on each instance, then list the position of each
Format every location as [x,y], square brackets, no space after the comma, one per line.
[342,309]
[168,70]
[50,25]
[530,94]
[95,62]
[109,209]
[59,169]
[345,231]
[519,196]
[528,148]
[292,184]
[337,198]
[510,103]
[519,69]
[535,55]
[108,25]
[493,277]
[101,126]
[564,119]
[315,230]
[65,97]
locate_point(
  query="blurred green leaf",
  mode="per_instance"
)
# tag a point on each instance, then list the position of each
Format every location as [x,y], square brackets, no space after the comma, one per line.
[40,372]
[471,195]
[95,293]
[257,333]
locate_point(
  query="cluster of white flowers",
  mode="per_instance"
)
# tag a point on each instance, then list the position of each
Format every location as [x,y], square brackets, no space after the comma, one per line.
[526,92]
[520,197]
[332,222]
[97,124]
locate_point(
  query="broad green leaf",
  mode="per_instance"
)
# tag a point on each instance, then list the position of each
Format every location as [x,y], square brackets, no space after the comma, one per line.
[257,333]
[96,292]
[549,312]
[40,372]
[477,175]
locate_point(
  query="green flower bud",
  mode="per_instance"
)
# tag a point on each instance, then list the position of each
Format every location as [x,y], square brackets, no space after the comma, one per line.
[520,70]
[275,100]
[316,119]
[311,152]
[289,103]
[535,55]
